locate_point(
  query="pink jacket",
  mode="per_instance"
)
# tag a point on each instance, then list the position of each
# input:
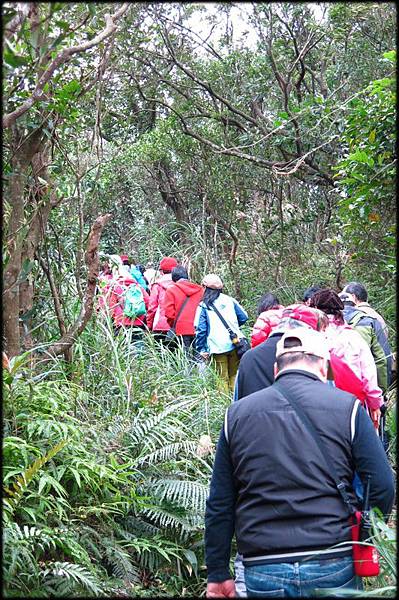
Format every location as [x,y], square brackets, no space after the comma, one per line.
[264,325]
[116,304]
[156,319]
[349,345]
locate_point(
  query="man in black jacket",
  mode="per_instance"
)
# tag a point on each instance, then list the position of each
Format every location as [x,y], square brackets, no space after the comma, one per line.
[271,486]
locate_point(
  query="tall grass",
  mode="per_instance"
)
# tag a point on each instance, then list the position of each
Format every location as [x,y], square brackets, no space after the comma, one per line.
[118,506]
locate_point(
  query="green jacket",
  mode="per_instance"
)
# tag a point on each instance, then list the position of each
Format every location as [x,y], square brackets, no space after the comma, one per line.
[371,331]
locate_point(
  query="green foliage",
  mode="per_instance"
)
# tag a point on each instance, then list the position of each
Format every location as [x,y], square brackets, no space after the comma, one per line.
[120,498]
[366,175]
[118,508]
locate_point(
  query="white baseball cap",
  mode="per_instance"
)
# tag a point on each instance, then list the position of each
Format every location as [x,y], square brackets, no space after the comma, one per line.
[308,341]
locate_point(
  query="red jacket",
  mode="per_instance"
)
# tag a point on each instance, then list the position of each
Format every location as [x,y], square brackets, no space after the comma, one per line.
[156,320]
[175,295]
[116,302]
[264,325]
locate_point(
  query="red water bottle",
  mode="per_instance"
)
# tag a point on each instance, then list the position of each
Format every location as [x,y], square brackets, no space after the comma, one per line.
[365,557]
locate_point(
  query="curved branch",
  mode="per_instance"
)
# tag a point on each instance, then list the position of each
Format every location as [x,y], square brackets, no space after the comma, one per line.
[61,59]
[93,265]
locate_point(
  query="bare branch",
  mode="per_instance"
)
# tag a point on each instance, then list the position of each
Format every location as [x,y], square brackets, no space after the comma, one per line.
[23,11]
[93,265]
[64,56]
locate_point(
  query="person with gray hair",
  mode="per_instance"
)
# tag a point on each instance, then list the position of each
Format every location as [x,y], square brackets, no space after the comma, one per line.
[256,366]
[357,293]
[256,372]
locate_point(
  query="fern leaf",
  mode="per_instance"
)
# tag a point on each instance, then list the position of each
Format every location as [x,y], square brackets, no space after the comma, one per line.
[24,480]
[68,570]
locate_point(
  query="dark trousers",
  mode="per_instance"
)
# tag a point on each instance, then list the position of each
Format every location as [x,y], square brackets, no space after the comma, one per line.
[187,341]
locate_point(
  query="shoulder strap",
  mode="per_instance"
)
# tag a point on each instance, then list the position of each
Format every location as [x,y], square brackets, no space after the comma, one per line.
[357,317]
[231,332]
[181,310]
[323,449]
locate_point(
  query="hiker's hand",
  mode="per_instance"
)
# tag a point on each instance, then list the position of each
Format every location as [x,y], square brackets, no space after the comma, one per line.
[204,355]
[224,589]
[376,415]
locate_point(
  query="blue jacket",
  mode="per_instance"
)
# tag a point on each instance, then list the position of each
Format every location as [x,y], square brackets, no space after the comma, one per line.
[211,335]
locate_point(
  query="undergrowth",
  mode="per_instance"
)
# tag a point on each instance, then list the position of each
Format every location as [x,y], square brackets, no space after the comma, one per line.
[106,467]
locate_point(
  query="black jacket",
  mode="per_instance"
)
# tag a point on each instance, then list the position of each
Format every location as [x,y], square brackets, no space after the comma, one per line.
[270,484]
[256,369]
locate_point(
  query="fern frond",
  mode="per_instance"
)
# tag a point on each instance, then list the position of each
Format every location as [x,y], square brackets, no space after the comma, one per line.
[141,428]
[79,574]
[166,519]
[166,453]
[121,563]
[190,494]
[24,480]
[135,525]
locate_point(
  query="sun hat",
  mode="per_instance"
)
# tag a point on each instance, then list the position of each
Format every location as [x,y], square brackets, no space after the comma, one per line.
[167,263]
[303,313]
[308,341]
[212,281]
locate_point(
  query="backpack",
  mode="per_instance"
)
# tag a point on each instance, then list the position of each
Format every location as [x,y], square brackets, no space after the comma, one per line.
[134,305]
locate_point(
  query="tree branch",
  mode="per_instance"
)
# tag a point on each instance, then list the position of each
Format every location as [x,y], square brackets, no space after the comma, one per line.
[93,265]
[61,59]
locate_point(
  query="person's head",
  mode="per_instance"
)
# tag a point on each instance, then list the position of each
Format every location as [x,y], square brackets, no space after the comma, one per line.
[346,299]
[267,302]
[141,268]
[309,293]
[303,349]
[299,315]
[105,268]
[167,264]
[356,292]
[125,260]
[179,272]
[329,302]
[213,286]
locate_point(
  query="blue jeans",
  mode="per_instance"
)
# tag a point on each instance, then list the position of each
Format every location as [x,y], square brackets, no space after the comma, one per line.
[301,579]
[239,580]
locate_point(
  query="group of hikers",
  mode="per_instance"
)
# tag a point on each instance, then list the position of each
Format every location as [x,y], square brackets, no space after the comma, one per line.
[303,445]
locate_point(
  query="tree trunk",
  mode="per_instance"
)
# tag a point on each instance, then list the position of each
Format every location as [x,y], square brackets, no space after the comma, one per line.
[171,195]
[44,199]
[23,152]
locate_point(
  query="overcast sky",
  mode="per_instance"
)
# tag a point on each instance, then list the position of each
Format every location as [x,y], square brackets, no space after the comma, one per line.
[201,23]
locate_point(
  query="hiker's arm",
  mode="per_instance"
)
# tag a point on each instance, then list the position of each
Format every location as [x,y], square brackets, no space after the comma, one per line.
[261,331]
[380,361]
[152,305]
[370,459]
[201,330]
[374,398]
[242,316]
[170,309]
[219,515]
[146,297]
[382,339]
